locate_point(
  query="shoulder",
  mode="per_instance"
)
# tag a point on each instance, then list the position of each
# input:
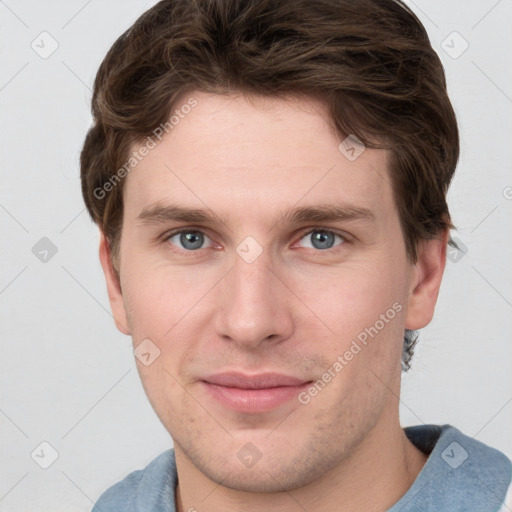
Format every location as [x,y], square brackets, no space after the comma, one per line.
[151,488]
[461,473]
[507,503]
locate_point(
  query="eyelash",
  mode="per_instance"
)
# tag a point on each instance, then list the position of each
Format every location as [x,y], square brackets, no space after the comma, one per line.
[345,239]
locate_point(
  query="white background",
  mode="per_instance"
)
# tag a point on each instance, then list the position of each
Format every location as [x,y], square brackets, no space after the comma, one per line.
[68,377]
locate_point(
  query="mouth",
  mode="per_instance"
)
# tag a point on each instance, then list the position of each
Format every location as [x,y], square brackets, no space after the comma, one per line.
[253,393]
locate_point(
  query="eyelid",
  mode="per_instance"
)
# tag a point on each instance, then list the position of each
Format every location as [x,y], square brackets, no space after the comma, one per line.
[327,230]
[186,229]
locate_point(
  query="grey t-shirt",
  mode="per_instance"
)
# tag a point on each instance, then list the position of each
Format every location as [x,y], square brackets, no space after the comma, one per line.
[461,474]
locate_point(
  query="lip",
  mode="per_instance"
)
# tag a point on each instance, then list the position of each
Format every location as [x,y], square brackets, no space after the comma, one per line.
[253,393]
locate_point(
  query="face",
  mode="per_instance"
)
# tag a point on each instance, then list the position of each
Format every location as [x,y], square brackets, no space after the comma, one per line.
[267,274]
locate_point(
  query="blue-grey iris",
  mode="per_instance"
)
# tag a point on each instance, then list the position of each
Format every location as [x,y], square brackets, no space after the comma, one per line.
[322,239]
[192,240]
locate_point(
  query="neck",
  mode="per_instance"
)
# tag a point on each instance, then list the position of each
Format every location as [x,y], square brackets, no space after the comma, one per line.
[373,477]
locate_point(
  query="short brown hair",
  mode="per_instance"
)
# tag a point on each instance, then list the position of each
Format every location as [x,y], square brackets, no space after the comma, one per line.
[370,61]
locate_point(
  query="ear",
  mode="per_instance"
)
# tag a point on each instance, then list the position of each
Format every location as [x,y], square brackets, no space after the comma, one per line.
[115,294]
[425,281]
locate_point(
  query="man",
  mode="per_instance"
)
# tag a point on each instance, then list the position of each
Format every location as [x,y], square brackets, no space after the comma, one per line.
[270,181]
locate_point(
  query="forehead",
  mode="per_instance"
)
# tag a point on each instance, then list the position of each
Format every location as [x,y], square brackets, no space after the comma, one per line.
[242,156]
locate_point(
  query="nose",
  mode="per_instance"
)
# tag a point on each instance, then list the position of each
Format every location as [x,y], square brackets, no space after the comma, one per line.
[253,305]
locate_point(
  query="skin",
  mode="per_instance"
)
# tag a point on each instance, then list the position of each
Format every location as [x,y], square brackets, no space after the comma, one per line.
[293,310]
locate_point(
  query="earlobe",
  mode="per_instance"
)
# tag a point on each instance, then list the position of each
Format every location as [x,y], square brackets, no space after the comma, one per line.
[115,294]
[425,281]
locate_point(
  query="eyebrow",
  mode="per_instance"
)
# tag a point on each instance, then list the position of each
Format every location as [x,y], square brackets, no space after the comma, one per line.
[161,214]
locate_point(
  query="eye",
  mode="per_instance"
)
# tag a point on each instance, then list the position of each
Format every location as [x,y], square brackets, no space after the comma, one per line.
[321,239]
[189,240]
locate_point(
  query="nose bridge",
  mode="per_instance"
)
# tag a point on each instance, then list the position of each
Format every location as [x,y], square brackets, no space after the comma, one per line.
[251,307]
[251,280]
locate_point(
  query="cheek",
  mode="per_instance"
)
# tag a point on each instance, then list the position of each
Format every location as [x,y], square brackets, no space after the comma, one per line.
[166,304]
[153,296]
[157,304]
[351,298]
[363,308]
